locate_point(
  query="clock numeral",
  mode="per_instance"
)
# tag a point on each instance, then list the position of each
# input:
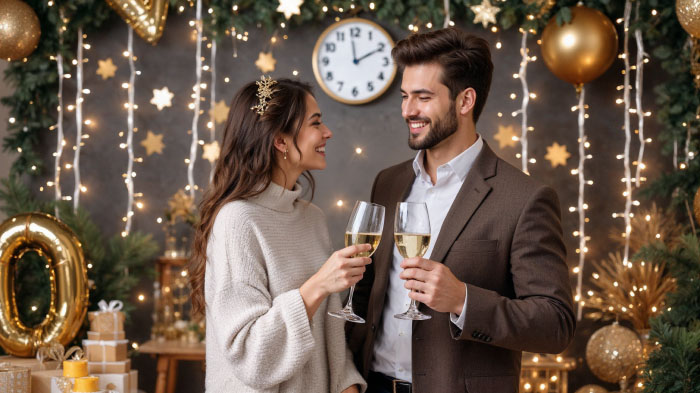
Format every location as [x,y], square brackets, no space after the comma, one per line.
[370,86]
[340,85]
[355,32]
[340,35]
[381,76]
[386,61]
[330,47]
[381,47]
[329,76]
[370,35]
[325,61]
[355,92]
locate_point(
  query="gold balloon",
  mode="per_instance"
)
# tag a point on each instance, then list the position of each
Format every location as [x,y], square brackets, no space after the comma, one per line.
[19,30]
[688,12]
[582,50]
[613,352]
[146,17]
[696,205]
[53,240]
[591,389]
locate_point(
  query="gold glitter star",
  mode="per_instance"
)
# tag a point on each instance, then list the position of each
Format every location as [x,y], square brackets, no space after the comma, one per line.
[219,112]
[106,68]
[557,155]
[289,8]
[485,13]
[180,205]
[153,143]
[162,98]
[506,137]
[211,151]
[266,62]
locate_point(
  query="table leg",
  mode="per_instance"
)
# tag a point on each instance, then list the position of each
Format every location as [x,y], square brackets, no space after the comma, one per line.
[163,363]
[172,375]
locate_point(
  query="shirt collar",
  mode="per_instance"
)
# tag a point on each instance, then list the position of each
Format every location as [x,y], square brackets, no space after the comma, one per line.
[460,165]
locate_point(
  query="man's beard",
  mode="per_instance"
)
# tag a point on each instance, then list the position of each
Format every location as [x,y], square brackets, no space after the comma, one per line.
[440,130]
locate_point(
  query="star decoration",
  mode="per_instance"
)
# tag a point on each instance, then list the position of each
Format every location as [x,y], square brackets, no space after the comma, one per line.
[106,68]
[557,155]
[211,151]
[505,137]
[153,143]
[289,8]
[265,62]
[219,112]
[162,98]
[485,13]
[264,93]
[180,205]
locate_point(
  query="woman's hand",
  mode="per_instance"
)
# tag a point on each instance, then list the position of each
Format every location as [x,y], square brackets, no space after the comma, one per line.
[351,389]
[339,273]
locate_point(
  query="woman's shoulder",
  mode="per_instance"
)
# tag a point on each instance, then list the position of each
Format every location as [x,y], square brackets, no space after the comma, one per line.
[235,214]
[311,210]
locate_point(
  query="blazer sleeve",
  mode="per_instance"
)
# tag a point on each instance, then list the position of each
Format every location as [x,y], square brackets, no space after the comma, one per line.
[540,317]
[266,340]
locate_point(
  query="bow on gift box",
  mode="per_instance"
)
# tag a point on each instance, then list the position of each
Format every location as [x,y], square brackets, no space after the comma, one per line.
[57,352]
[114,305]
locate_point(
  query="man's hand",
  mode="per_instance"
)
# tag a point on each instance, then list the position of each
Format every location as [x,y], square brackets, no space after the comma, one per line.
[351,389]
[437,287]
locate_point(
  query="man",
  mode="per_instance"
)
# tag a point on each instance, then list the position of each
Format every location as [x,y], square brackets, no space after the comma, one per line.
[494,279]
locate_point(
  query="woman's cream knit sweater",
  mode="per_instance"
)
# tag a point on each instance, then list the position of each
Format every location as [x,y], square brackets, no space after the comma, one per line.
[259,338]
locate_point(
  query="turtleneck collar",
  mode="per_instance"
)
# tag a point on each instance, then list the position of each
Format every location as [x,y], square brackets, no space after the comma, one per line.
[278,198]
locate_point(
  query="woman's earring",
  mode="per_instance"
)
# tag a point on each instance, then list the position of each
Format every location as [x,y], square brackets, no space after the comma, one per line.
[285,154]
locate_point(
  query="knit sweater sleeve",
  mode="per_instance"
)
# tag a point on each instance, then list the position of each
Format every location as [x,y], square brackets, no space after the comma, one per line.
[266,341]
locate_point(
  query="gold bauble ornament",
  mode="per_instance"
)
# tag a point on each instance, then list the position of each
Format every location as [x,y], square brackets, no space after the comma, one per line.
[696,205]
[19,30]
[591,389]
[580,51]
[52,239]
[688,12]
[146,17]
[613,352]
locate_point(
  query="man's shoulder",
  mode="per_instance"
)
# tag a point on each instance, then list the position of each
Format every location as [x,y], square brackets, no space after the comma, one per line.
[515,179]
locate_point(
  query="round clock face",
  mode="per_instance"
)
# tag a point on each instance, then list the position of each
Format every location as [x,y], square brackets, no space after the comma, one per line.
[352,61]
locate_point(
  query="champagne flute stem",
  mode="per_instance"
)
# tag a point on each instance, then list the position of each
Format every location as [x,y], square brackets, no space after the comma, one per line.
[349,304]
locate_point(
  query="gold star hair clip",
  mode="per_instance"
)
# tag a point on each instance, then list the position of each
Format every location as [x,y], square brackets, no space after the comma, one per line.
[264,93]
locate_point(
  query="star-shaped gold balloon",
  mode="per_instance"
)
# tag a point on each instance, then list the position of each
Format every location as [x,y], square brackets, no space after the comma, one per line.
[557,155]
[506,137]
[485,13]
[153,143]
[211,151]
[146,17]
[106,68]
[266,62]
[219,112]
[289,8]
[162,98]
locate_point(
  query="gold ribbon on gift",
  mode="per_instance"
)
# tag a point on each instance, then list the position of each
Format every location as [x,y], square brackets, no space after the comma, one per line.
[56,351]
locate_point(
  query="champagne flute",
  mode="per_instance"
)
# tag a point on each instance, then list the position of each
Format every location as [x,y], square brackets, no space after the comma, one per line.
[412,237]
[364,226]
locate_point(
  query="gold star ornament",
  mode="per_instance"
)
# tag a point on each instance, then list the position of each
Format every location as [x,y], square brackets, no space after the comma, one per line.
[289,8]
[162,98]
[211,151]
[485,13]
[106,68]
[506,137]
[180,205]
[266,62]
[219,112]
[153,143]
[557,155]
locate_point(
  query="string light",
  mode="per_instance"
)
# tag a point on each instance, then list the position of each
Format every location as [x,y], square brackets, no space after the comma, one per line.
[522,75]
[446,4]
[212,102]
[582,145]
[129,175]
[59,123]
[197,96]
[78,120]
[628,135]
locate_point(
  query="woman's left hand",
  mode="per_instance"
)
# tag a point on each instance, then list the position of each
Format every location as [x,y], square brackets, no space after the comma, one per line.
[351,389]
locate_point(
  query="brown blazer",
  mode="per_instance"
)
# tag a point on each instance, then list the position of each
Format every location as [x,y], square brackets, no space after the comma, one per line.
[503,237]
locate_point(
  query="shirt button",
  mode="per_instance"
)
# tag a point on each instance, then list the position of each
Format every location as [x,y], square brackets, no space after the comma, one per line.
[401,334]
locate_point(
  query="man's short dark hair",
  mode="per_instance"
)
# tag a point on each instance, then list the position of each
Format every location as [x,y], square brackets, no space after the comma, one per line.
[465,60]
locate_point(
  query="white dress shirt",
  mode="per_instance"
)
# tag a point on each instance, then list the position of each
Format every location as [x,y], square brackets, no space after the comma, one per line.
[392,347]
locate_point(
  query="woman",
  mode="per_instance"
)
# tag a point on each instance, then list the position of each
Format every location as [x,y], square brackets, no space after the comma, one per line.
[258,271]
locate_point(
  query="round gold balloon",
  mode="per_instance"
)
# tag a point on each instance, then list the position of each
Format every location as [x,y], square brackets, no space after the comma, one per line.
[582,50]
[688,12]
[591,389]
[53,240]
[613,352]
[696,205]
[19,30]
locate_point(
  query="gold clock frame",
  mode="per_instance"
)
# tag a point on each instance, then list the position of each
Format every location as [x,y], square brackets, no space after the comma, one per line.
[319,78]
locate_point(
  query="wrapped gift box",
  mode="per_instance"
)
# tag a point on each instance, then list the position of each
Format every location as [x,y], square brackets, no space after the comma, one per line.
[106,336]
[134,381]
[30,363]
[14,379]
[121,367]
[122,383]
[106,321]
[105,351]
[42,380]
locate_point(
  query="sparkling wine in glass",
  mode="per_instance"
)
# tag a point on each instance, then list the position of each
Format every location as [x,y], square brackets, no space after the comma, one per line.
[412,237]
[364,227]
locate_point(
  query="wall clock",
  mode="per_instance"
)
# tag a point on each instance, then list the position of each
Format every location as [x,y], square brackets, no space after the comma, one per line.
[352,61]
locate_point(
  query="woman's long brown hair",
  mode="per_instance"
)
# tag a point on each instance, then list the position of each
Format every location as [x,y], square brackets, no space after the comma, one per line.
[246,162]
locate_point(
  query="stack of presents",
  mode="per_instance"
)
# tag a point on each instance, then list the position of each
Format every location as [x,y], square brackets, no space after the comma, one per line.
[102,367]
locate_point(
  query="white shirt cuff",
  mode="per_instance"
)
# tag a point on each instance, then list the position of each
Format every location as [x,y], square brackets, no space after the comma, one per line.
[458,320]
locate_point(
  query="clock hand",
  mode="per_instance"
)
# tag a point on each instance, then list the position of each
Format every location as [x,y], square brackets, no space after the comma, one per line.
[354,56]
[367,55]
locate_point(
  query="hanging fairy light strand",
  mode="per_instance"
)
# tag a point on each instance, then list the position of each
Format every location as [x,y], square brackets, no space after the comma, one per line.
[638,89]
[628,134]
[197,97]
[446,23]
[212,102]
[60,142]
[78,119]
[522,75]
[130,174]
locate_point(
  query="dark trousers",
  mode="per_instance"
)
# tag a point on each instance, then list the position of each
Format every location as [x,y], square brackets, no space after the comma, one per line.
[380,383]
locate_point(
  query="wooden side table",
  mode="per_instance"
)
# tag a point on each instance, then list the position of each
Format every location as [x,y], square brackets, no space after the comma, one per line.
[167,354]
[164,265]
